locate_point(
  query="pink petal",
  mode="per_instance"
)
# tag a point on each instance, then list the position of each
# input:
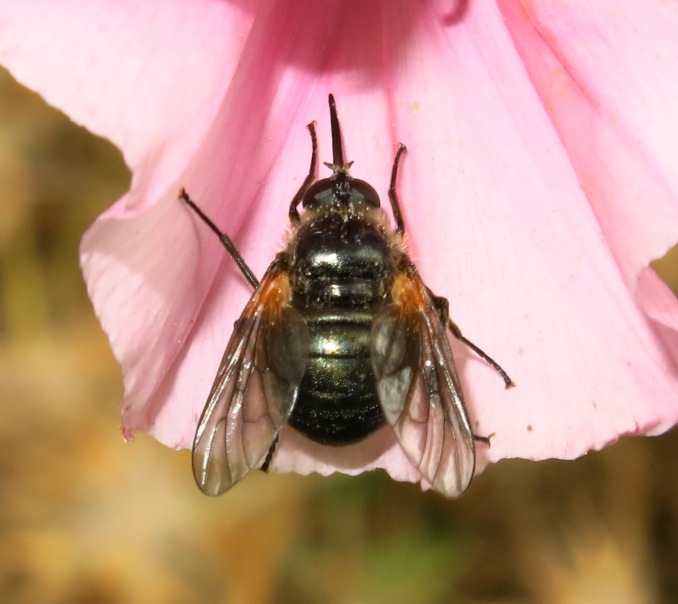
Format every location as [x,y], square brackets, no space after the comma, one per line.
[607,75]
[509,211]
[522,257]
[136,73]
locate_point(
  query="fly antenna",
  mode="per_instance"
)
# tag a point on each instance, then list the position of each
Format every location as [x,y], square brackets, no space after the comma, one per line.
[337,150]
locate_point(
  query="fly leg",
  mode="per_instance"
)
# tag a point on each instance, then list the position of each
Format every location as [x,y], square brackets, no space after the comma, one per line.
[294,213]
[269,455]
[443,307]
[441,304]
[224,238]
[483,439]
[393,193]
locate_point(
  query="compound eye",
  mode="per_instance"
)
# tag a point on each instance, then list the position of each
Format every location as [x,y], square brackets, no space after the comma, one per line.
[366,191]
[319,193]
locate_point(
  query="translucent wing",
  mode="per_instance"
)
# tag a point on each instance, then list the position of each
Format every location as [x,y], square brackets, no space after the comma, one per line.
[255,389]
[418,387]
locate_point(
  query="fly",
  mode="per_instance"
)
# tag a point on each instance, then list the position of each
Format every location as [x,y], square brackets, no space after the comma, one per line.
[340,338]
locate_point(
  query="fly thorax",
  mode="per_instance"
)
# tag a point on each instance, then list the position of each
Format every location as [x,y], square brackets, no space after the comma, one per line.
[341,259]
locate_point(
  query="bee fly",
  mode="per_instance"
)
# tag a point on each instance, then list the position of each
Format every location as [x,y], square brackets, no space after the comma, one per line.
[340,338]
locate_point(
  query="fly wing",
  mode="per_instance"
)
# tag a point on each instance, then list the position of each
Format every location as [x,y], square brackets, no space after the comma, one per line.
[418,387]
[255,388]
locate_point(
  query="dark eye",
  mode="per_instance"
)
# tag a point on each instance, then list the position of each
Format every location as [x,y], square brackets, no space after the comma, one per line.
[319,193]
[367,192]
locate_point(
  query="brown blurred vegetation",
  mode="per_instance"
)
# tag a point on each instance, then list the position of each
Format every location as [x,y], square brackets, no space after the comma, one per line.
[86,518]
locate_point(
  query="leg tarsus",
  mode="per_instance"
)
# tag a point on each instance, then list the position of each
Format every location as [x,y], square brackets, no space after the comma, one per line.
[393,193]
[508,382]
[483,439]
[269,455]
[223,237]
[443,307]
[295,219]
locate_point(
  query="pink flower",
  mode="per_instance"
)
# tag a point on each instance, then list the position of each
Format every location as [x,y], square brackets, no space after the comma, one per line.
[540,181]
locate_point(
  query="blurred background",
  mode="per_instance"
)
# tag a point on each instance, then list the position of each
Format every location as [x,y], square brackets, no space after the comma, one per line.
[86,518]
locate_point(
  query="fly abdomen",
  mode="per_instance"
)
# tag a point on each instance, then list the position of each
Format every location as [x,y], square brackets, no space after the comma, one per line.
[337,402]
